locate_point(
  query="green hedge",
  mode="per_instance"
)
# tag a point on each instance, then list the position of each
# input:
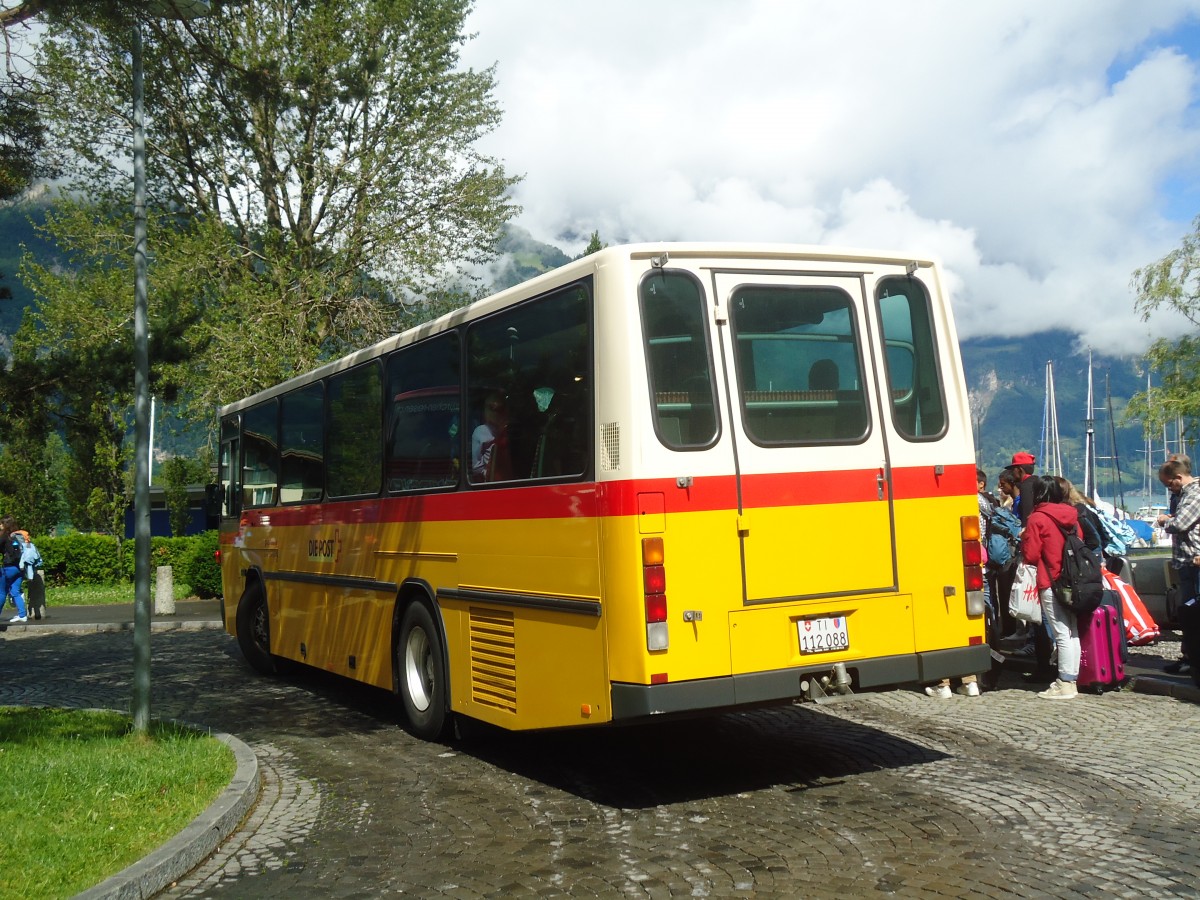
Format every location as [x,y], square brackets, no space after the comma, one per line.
[99,559]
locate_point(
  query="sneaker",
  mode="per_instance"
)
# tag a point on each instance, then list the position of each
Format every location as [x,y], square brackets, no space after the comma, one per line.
[940,691]
[18,619]
[969,689]
[1028,651]
[1060,690]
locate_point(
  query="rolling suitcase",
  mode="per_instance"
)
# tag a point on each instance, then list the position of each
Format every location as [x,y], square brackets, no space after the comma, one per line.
[1102,646]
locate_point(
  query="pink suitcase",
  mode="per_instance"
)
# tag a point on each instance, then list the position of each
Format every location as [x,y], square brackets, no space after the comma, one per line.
[1100,639]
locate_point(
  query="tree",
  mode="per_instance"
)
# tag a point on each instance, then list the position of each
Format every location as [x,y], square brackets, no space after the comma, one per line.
[22,132]
[1173,283]
[594,245]
[72,358]
[324,151]
[178,472]
[22,140]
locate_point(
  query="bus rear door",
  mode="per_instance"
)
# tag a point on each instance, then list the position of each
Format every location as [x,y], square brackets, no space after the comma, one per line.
[815,500]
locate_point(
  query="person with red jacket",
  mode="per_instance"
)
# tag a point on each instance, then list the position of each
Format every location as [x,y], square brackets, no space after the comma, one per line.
[1042,545]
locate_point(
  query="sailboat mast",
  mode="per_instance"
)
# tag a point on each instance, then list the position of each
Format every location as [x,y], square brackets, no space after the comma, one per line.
[1089,446]
[1118,490]
[1050,453]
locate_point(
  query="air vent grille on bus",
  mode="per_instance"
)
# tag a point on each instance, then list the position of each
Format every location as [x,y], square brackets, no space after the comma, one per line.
[610,446]
[494,659]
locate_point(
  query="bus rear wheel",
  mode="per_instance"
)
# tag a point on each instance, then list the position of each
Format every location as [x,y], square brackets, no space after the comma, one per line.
[421,674]
[254,630]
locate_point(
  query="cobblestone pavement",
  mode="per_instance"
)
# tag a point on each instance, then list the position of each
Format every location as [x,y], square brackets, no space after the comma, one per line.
[893,793]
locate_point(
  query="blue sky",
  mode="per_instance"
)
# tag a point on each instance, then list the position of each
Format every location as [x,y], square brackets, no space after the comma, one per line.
[1042,150]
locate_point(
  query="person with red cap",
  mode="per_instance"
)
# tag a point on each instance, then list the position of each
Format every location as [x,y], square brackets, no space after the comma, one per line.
[1039,645]
[1022,466]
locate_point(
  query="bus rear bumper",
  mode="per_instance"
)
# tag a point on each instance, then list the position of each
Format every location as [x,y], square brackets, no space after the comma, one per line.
[634,701]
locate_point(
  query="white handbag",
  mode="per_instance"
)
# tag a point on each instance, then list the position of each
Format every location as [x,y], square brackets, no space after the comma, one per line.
[1024,603]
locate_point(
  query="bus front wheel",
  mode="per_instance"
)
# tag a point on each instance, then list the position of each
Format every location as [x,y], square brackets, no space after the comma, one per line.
[421,671]
[254,630]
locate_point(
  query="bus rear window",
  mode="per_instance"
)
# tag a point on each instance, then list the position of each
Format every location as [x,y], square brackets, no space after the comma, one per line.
[798,365]
[914,382]
[678,359]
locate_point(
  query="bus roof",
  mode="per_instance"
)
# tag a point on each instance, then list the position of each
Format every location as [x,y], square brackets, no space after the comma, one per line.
[578,268]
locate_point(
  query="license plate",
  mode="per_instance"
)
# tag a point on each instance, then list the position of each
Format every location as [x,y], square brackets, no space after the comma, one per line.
[823,635]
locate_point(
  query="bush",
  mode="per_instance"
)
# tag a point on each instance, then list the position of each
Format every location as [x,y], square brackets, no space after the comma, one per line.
[81,558]
[200,567]
[164,551]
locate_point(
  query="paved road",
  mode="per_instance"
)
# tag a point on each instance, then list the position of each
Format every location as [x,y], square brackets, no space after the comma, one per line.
[893,793]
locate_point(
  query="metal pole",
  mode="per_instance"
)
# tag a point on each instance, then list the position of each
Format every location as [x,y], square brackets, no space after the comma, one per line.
[1089,454]
[150,448]
[141,385]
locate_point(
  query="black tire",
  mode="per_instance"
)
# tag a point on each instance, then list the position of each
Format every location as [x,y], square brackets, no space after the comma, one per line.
[254,630]
[421,674]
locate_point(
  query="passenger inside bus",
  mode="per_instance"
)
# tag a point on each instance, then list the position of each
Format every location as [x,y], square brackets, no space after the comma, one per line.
[823,375]
[490,456]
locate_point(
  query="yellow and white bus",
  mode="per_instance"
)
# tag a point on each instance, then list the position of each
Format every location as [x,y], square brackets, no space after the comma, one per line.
[661,479]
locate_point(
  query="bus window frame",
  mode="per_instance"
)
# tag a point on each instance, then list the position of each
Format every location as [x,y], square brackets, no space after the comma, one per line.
[707,305]
[933,338]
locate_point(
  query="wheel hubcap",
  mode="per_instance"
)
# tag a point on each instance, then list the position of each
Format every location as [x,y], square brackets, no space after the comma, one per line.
[418,669]
[262,635]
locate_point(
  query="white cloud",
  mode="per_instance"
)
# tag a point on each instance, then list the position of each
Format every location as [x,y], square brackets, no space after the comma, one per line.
[1028,145]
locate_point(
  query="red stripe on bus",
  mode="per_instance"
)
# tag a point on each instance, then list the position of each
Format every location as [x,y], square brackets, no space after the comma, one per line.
[620,498]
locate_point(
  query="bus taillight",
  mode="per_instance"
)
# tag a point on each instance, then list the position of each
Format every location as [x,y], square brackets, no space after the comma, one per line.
[654,592]
[654,580]
[972,557]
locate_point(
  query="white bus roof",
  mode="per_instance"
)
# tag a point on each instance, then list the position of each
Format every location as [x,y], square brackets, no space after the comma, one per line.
[724,251]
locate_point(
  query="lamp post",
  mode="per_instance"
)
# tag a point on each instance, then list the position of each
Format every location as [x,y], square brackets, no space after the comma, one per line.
[172,9]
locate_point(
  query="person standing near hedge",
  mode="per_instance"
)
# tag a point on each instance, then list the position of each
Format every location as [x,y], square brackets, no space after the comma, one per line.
[12,567]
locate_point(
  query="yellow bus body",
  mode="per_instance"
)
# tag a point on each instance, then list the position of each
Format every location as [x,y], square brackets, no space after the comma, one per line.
[539,589]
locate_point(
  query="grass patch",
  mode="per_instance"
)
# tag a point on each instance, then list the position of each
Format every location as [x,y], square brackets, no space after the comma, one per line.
[81,797]
[102,594]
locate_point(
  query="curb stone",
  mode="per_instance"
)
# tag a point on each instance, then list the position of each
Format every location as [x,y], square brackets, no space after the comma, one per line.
[199,838]
[99,627]
[1146,684]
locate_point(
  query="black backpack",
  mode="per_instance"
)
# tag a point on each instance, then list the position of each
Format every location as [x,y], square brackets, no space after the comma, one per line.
[1080,586]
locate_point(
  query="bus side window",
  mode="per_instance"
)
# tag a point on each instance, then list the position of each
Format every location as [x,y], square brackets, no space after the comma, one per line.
[532,363]
[302,445]
[260,454]
[354,403]
[229,480]
[423,440]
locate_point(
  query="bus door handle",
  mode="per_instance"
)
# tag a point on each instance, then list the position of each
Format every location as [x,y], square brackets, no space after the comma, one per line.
[879,483]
